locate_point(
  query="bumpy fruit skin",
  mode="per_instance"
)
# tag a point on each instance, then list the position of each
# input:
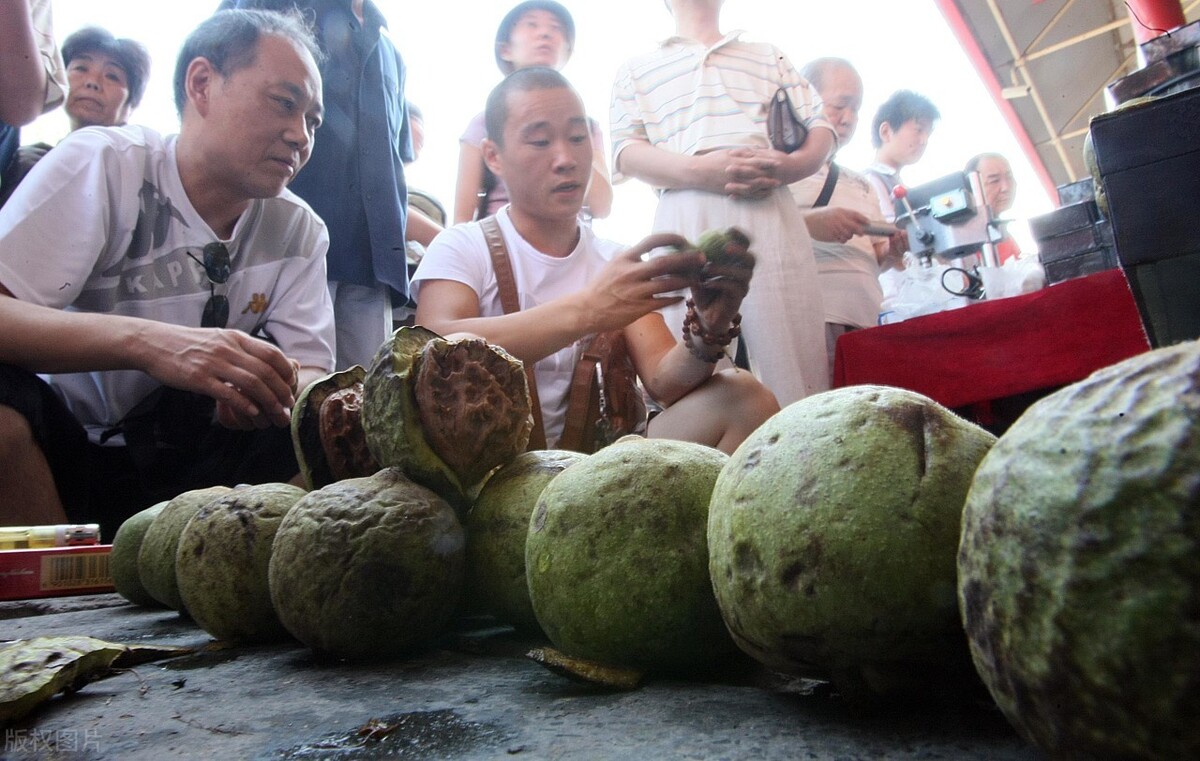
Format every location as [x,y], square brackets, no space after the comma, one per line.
[222,559]
[714,242]
[445,412]
[832,535]
[617,562]
[123,562]
[496,531]
[367,567]
[1079,569]
[156,556]
[328,436]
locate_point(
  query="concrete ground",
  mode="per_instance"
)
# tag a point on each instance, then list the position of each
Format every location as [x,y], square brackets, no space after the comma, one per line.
[473,696]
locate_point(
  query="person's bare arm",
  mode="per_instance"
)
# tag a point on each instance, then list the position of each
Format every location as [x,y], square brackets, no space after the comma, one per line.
[668,367]
[22,76]
[420,227]
[834,224]
[252,377]
[627,289]
[665,169]
[470,182]
[600,192]
[810,157]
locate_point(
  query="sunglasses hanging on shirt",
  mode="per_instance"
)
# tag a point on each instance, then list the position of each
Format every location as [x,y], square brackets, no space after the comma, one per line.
[217,269]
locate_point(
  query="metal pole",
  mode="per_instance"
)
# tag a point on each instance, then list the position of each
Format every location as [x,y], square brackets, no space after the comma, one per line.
[1152,18]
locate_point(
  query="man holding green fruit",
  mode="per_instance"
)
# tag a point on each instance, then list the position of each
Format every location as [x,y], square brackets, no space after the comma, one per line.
[571,285]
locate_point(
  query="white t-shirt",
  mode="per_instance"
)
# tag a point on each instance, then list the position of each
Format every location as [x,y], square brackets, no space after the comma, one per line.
[849,272]
[102,224]
[460,253]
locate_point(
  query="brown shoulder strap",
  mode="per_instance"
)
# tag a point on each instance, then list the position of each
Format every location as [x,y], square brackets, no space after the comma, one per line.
[583,404]
[507,286]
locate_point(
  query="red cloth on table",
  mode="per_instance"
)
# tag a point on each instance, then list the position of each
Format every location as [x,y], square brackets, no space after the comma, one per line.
[995,349]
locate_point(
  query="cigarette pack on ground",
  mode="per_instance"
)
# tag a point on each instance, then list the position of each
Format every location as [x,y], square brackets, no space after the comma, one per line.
[55,571]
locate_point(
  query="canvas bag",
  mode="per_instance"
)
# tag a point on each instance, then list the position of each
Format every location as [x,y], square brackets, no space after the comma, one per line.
[604,402]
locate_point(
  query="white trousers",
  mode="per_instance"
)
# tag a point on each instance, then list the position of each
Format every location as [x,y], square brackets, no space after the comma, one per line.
[783,319]
[362,316]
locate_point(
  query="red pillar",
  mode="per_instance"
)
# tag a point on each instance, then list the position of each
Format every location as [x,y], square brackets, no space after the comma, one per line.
[1151,18]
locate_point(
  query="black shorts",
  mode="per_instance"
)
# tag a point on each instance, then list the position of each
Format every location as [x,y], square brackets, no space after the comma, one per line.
[172,444]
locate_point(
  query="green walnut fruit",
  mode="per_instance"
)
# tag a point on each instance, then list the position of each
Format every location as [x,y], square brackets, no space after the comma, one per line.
[1079,569]
[123,562]
[496,531]
[446,413]
[832,535]
[617,562]
[156,556]
[715,242]
[367,567]
[222,559]
[327,430]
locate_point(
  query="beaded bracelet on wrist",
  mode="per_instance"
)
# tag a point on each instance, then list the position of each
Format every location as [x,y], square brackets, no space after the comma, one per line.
[692,326]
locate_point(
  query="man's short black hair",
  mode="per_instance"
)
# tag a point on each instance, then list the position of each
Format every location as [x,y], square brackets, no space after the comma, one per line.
[522,80]
[903,106]
[229,40]
[129,54]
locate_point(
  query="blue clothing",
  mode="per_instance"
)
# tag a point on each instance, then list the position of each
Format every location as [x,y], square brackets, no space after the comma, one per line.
[10,140]
[355,177]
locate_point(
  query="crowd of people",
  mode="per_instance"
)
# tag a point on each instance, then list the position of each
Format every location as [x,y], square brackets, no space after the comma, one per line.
[158,342]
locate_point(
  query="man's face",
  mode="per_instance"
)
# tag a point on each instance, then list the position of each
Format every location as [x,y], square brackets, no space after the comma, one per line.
[841,97]
[906,145]
[259,121]
[999,188]
[538,39]
[546,156]
[99,91]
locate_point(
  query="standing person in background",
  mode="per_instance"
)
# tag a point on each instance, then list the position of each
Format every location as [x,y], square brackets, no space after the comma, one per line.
[533,33]
[106,79]
[31,70]
[900,133]
[999,191]
[839,205]
[690,120]
[355,179]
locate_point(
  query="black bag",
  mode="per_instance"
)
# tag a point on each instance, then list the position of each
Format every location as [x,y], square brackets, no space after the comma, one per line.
[786,131]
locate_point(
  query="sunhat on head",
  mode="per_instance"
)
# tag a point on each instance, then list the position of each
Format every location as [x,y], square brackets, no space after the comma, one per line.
[504,32]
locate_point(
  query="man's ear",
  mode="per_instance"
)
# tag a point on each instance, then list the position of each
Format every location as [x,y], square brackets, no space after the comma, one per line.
[885,132]
[198,83]
[491,156]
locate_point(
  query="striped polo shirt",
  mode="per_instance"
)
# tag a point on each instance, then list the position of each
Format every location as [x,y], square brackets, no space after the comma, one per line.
[689,98]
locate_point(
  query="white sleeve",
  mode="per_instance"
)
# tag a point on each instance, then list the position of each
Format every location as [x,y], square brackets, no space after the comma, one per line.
[458,253]
[55,228]
[301,317]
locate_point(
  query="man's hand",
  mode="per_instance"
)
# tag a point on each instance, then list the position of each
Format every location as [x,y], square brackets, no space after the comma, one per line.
[722,287]
[835,225]
[252,381]
[630,287]
[751,172]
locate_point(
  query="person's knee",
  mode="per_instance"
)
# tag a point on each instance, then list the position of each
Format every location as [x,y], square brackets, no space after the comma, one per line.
[747,396]
[16,435]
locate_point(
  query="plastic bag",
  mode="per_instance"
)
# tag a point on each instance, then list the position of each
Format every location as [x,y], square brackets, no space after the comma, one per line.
[1018,275]
[916,290]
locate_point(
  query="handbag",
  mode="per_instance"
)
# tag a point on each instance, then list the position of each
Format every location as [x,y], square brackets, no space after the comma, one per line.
[604,402]
[786,130]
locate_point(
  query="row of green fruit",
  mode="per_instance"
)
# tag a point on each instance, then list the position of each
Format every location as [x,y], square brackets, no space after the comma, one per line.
[834,543]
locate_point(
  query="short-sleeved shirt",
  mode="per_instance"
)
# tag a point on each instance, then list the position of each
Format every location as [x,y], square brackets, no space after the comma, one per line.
[849,272]
[460,253]
[883,179]
[102,224]
[476,133]
[689,98]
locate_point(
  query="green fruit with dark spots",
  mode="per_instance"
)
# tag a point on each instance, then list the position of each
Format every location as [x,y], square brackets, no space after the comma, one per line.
[367,567]
[1079,569]
[222,559]
[617,562]
[123,562]
[156,556]
[714,242]
[496,531]
[833,532]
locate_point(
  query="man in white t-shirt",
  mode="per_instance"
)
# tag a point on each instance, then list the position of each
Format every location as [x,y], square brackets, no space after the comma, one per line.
[839,207]
[572,285]
[161,284]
